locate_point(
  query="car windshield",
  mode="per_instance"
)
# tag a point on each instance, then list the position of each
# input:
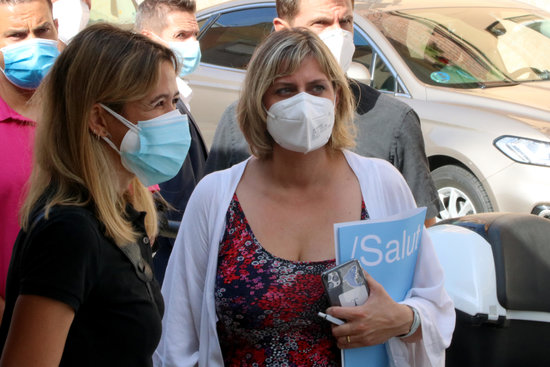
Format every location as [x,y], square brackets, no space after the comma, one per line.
[470,47]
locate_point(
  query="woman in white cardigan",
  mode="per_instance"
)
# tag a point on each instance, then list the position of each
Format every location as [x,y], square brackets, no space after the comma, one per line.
[243,283]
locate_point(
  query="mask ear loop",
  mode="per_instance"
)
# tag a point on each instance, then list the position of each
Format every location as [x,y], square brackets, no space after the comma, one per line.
[122,119]
[126,123]
[105,139]
[267,113]
[110,143]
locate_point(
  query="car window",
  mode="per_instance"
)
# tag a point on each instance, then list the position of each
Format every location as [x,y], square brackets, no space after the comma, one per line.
[201,23]
[434,55]
[381,76]
[363,49]
[470,48]
[232,38]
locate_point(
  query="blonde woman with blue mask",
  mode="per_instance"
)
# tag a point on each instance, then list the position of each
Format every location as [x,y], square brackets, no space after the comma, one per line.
[80,288]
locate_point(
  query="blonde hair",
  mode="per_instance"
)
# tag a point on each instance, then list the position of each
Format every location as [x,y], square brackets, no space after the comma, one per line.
[71,166]
[281,54]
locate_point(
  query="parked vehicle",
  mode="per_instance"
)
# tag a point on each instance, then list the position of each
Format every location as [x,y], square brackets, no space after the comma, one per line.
[476,72]
[496,268]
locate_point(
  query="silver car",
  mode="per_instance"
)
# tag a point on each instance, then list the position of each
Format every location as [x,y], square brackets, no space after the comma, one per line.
[476,72]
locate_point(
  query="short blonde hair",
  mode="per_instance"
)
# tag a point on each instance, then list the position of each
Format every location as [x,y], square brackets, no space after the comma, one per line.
[281,54]
[102,64]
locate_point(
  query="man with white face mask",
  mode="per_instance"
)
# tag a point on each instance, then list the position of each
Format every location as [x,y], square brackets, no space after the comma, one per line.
[386,128]
[28,49]
[172,23]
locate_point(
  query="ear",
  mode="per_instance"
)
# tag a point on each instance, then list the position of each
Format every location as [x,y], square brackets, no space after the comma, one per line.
[280,24]
[146,33]
[97,122]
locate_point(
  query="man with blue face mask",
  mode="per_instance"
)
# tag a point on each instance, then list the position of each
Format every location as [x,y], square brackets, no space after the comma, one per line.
[172,23]
[28,48]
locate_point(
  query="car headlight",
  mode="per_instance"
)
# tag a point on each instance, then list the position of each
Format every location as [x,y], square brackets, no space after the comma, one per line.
[524,150]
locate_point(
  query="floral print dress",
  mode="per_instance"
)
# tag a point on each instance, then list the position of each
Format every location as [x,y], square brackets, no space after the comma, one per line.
[267,306]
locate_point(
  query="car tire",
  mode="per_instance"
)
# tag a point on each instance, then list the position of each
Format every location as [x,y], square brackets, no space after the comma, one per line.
[460,192]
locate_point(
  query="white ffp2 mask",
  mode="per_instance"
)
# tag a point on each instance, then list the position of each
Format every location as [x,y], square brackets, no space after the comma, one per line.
[340,43]
[301,123]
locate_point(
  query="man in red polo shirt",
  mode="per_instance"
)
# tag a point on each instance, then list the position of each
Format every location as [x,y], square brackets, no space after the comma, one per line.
[28,48]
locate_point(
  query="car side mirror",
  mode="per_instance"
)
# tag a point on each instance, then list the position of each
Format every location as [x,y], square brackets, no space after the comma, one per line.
[359,72]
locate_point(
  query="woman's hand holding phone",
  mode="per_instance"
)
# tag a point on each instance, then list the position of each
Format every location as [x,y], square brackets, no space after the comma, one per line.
[345,284]
[374,322]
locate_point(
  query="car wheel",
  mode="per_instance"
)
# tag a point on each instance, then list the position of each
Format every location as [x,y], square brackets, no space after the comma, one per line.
[460,192]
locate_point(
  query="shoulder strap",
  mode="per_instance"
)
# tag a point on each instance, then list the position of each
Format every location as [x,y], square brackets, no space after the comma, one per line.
[141,267]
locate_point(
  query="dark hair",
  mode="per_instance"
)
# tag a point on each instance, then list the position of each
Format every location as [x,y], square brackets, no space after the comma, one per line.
[151,14]
[287,9]
[15,2]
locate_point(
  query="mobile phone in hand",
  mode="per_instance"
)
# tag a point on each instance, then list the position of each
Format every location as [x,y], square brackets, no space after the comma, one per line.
[345,284]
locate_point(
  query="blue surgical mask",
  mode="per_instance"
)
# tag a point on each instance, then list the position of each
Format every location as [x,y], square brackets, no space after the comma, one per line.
[154,150]
[27,62]
[188,54]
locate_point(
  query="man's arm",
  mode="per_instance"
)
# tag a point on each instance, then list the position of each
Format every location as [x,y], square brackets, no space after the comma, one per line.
[411,160]
[389,129]
[229,146]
